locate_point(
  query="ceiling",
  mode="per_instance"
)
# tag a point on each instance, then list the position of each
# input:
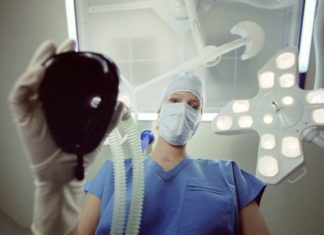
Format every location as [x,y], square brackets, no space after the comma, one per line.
[146,40]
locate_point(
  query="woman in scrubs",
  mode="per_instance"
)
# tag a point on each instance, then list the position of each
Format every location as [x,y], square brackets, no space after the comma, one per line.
[182,195]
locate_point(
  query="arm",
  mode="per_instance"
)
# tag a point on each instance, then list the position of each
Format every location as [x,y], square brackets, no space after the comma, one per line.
[252,221]
[89,216]
[57,194]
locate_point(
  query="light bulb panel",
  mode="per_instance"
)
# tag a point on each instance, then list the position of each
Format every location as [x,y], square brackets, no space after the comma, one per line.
[315,97]
[279,113]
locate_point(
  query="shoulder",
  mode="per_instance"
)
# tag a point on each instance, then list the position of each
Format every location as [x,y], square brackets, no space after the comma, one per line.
[215,168]
[228,169]
[215,163]
[96,184]
[227,172]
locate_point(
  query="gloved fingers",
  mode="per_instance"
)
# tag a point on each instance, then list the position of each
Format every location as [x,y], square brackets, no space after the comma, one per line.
[26,88]
[68,45]
[44,51]
[25,91]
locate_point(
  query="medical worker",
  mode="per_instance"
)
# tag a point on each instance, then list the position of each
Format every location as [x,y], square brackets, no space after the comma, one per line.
[183,196]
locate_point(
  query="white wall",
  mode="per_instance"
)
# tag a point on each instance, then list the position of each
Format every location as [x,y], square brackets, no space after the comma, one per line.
[290,209]
[23,26]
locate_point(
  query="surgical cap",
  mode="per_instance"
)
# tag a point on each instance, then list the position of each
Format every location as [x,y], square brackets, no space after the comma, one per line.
[186,82]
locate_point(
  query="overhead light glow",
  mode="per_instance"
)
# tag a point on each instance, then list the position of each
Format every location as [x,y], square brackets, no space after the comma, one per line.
[241,106]
[306,35]
[146,116]
[287,100]
[318,116]
[287,80]
[290,147]
[268,119]
[315,97]
[268,141]
[286,60]
[268,166]
[224,123]
[208,117]
[245,121]
[266,79]
[71,19]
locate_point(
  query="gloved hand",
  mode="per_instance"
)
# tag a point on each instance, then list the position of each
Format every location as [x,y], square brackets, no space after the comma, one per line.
[49,162]
[57,194]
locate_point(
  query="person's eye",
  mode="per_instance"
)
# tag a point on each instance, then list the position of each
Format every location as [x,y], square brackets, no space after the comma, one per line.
[173,100]
[196,107]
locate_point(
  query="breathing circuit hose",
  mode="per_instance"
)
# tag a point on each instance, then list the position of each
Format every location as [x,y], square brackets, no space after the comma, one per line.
[119,209]
[137,197]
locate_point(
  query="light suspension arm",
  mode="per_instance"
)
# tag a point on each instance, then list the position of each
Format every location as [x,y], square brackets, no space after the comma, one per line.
[197,35]
[252,38]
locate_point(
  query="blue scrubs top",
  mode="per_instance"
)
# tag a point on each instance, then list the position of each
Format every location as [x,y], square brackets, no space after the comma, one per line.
[196,197]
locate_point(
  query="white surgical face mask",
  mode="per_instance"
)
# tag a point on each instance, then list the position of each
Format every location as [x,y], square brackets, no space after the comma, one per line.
[178,123]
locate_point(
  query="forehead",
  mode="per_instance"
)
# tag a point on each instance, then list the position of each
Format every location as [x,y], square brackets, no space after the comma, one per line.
[185,95]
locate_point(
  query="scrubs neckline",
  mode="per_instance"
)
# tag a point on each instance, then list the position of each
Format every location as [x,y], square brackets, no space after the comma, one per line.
[167,175]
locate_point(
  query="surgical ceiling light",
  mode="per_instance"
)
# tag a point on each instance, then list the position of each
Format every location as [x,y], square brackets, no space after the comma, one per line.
[281,113]
[252,38]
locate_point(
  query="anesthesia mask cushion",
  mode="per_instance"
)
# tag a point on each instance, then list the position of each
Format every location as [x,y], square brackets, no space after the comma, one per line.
[78,95]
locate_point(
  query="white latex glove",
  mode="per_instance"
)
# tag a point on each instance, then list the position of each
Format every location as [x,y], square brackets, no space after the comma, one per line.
[50,163]
[57,195]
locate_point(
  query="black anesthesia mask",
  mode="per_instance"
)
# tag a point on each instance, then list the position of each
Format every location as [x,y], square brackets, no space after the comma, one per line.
[78,94]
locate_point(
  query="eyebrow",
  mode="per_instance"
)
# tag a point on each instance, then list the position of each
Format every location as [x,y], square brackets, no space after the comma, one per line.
[192,99]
